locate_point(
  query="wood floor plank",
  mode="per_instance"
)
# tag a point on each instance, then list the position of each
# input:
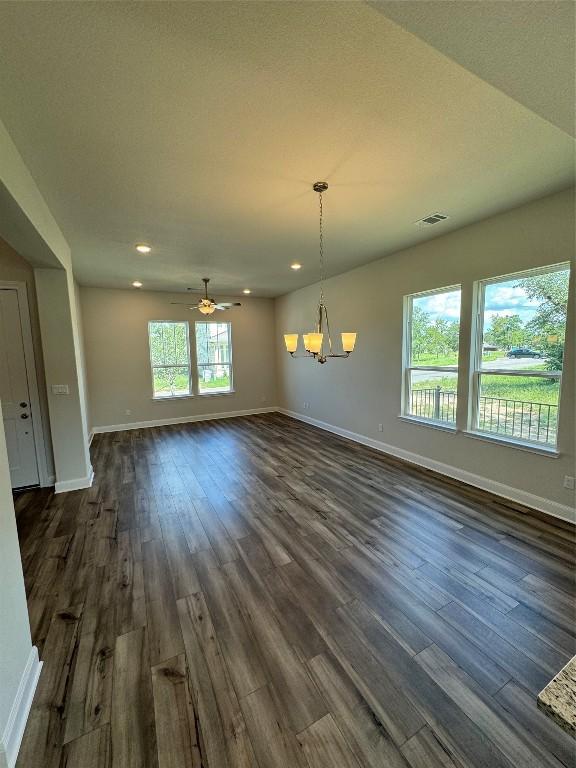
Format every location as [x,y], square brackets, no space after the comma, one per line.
[240,649]
[217,535]
[194,532]
[175,719]
[525,714]
[90,696]
[93,750]
[128,584]
[297,625]
[45,728]
[425,750]
[275,746]
[480,708]
[403,720]
[164,634]
[324,745]
[184,576]
[299,697]
[133,731]
[508,656]
[222,737]
[438,709]
[368,737]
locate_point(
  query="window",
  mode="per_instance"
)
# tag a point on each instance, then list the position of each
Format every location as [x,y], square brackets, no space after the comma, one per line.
[169,358]
[431,339]
[214,357]
[518,355]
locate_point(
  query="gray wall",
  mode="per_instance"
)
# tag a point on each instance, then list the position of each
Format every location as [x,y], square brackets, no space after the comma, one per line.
[61,343]
[364,391]
[28,225]
[15,640]
[115,326]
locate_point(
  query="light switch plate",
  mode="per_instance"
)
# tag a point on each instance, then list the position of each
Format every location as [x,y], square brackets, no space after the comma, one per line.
[60,389]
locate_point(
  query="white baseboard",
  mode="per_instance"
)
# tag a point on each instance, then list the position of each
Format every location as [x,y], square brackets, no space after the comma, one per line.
[76,484]
[12,737]
[500,489]
[181,420]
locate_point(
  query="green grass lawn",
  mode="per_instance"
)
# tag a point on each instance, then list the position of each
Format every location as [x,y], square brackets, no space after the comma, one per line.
[166,385]
[525,388]
[221,383]
[453,359]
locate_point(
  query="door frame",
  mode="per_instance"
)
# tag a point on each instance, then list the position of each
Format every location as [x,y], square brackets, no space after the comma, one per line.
[25,324]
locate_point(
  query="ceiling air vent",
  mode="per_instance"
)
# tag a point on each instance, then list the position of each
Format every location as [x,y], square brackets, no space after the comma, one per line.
[432,218]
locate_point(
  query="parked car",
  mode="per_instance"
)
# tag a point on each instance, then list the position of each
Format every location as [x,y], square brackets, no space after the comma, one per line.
[523,352]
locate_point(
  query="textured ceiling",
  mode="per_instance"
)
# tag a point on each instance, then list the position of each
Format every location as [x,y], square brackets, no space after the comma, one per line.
[526,48]
[200,127]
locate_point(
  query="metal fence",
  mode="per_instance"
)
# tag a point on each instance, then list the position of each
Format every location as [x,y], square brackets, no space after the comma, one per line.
[434,403]
[537,422]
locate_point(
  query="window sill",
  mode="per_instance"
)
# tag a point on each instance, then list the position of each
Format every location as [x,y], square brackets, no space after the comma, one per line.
[429,423]
[169,398]
[543,450]
[217,394]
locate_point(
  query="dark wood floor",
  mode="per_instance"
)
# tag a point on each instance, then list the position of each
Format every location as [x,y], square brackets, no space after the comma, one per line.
[258,593]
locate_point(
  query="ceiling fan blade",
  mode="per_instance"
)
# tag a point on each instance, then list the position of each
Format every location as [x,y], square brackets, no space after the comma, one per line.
[184,304]
[228,304]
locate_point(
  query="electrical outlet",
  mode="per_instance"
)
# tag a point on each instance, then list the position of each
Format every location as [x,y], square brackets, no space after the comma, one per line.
[128,412]
[380,427]
[569,482]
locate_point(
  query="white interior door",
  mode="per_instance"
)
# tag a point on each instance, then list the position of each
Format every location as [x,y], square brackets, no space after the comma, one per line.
[15,394]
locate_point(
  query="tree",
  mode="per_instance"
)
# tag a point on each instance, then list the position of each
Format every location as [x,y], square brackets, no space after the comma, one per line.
[506,331]
[548,326]
[443,337]
[420,324]
[551,292]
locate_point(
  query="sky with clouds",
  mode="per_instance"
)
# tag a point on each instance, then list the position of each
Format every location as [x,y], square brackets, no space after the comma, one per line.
[440,305]
[501,299]
[508,299]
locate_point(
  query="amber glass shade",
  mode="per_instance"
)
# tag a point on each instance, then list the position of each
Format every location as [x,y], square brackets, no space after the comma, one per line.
[291,341]
[315,342]
[348,341]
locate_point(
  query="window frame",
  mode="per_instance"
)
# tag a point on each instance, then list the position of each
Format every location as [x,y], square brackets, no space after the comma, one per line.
[407,367]
[190,393]
[198,365]
[476,371]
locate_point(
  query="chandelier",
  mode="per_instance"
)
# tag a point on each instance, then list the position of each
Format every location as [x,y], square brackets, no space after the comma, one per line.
[315,345]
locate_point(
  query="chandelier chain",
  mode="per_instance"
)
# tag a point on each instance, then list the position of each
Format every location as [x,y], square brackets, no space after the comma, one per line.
[321,249]
[314,342]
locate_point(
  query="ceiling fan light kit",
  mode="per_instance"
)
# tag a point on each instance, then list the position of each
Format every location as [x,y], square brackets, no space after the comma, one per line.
[206,305]
[314,341]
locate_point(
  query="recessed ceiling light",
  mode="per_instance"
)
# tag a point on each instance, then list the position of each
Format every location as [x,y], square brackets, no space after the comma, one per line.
[137,284]
[143,248]
[295,265]
[246,290]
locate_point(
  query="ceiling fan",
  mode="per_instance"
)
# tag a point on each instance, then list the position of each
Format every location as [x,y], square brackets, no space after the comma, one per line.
[206,305]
